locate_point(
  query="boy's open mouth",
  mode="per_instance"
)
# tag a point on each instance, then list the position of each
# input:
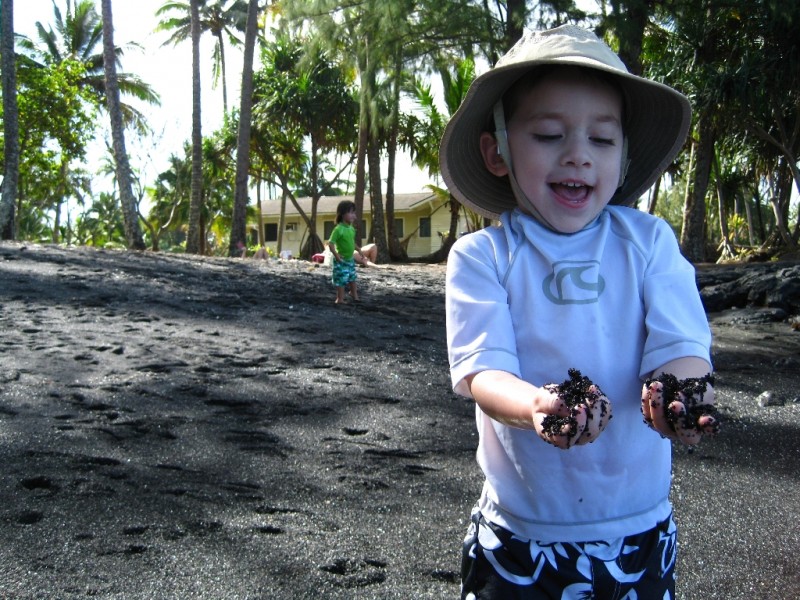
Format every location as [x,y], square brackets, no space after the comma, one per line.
[573,192]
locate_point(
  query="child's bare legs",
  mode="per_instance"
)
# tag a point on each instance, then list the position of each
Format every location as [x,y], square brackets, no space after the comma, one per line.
[367,256]
[353,290]
[339,295]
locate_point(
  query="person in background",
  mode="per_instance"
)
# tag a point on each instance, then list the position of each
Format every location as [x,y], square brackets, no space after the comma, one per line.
[557,141]
[342,244]
[367,255]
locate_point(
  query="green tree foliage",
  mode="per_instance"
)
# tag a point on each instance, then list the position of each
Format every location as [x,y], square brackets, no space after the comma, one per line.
[171,197]
[77,35]
[738,65]
[347,69]
[101,224]
[57,119]
[61,85]
[421,135]
[309,101]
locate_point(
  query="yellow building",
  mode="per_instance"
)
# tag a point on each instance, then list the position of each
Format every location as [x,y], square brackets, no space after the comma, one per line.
[421,222]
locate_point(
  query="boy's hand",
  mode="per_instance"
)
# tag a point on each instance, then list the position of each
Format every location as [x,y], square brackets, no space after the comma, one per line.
[579,412]
[680,410]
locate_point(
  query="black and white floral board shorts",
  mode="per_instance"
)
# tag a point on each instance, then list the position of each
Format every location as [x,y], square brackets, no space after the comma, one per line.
[498,565]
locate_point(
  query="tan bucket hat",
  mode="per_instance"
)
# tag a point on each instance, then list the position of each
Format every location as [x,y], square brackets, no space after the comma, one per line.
[657,119]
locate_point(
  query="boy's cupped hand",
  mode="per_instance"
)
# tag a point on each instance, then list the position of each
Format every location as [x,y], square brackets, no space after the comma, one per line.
[581,413]
[681,410]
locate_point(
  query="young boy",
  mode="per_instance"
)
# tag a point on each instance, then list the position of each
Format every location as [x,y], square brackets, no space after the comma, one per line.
[557,141]
[343,246]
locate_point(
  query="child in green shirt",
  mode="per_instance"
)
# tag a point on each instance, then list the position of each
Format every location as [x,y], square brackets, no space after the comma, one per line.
[342,245]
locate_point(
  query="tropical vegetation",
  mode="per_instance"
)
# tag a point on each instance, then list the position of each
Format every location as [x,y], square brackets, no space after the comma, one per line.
[336,90]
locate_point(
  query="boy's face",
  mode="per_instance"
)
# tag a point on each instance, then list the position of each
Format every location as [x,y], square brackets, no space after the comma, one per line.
[565,138]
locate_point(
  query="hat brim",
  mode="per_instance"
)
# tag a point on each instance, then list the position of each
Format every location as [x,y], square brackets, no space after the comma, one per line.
[657,122]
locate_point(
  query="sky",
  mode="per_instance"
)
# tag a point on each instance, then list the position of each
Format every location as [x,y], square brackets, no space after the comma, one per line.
[168,70]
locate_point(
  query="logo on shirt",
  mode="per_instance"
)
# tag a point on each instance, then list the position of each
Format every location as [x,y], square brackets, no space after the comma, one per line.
[574,282]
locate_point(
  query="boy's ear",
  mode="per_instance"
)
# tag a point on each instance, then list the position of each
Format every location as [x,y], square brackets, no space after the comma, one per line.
[491,155]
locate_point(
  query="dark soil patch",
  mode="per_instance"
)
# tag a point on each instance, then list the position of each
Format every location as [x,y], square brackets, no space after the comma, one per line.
[182,427]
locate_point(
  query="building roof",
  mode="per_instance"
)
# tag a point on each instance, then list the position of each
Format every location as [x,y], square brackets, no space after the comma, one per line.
[328,204]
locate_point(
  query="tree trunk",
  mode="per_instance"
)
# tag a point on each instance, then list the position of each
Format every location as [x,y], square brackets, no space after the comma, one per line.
[376,200]
[61,191]
[130,212]
[441,254]
[10,124]
[515,21]
[778,211]
[239,219]
[651,206]
[750,227]
[363,138]
[396,250]
[630,19]
[194,245]
[313,244]
[281,223]
[260,213]
[694,212]
[223,75]
[727,249]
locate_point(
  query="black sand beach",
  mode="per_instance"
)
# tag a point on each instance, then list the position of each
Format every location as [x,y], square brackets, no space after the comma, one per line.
[182,427]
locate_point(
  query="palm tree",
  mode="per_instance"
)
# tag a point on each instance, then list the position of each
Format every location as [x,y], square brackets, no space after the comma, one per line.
[78,36]
[133,233]
[71,46]
[239,218]
[10,124]
[311,97]
[421,136]
[195,242]
[378,41]
[222,19]
[170,200]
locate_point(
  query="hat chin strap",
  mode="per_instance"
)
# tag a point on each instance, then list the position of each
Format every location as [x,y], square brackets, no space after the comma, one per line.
[626,162]
[501,135]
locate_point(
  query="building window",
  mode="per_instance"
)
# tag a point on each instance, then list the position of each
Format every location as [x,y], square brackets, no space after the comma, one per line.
[425,227]
[398,228]
[291,226]
[270,232]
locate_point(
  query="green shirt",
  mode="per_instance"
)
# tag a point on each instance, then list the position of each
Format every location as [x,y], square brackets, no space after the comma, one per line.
[343,238]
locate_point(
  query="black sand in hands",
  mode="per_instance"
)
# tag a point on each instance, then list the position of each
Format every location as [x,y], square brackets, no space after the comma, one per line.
[576,392]
[692,390]
[177,427]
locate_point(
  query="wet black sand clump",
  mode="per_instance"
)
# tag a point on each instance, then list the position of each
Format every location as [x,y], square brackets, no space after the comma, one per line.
[575,392]
[693,390]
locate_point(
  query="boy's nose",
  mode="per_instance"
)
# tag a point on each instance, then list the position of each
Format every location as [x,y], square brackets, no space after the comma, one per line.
[576,152]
